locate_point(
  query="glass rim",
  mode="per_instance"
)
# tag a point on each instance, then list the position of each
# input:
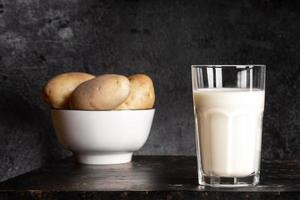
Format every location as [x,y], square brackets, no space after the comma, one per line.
[224,66]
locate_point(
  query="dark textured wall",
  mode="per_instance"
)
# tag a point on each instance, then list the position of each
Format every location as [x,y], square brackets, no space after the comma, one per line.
[41,38]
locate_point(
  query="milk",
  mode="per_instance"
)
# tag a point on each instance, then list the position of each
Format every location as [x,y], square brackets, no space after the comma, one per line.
[229,127]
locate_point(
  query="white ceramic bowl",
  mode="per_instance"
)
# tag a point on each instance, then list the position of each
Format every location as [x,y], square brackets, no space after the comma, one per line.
[102,137]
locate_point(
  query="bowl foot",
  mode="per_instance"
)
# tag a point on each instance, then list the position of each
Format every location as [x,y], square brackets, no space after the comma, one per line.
[104,159]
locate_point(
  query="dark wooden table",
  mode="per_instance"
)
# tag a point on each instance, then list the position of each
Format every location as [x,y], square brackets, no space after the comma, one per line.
[147,177]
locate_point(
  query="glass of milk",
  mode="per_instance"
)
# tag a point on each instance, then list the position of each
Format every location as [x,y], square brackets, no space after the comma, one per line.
[228,106]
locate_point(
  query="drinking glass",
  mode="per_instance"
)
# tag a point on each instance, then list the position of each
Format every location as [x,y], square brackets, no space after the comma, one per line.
[228,108]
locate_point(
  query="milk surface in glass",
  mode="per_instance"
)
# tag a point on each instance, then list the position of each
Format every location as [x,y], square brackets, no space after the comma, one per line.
[229,122]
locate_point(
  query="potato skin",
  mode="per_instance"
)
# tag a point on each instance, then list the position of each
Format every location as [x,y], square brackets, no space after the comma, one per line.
[58,89]
[105,92]
[142,95]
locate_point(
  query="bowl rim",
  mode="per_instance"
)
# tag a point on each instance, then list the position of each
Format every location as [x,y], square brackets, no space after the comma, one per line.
[73,110]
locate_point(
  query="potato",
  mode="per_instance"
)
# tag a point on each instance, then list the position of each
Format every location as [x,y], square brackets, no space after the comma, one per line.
[58,90]
[141,95]
[105,92]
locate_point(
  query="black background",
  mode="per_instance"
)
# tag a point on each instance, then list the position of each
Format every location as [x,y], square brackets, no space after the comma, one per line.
[41,38]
